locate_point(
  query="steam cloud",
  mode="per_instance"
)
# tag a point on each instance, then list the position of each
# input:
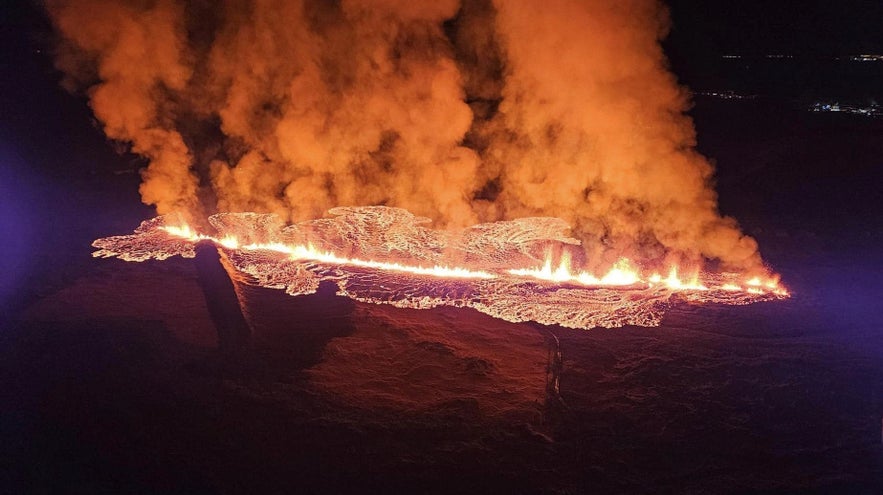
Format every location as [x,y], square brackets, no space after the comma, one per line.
[461,112]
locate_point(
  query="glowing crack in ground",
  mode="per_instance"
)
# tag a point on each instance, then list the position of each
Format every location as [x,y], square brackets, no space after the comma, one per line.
[387,255]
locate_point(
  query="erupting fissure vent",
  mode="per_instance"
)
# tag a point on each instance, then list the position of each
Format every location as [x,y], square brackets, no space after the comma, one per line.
[388,256]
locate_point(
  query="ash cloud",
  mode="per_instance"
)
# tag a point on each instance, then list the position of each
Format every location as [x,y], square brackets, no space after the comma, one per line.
[460,112]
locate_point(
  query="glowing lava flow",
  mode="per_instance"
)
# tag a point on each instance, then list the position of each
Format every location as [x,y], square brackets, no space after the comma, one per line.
[309,253]
[397,260]
[622,274]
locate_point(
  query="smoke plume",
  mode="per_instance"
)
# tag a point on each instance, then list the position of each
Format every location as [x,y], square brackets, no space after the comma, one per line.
[460,112]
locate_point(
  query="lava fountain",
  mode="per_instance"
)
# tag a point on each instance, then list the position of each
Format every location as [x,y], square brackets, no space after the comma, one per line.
[385,255]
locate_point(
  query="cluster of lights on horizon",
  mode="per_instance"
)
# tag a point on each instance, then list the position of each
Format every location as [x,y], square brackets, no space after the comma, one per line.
[622,274]
[872,110]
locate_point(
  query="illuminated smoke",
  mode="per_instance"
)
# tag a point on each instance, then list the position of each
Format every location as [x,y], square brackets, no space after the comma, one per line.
[460,113]
[591,129]
[134,60]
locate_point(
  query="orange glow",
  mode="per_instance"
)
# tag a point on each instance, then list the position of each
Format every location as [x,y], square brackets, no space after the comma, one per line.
[310,253]
[674,282]
[391,259]
[623,273]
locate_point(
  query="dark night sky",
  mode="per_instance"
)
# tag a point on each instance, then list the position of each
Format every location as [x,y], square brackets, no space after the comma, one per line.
[758,27]
[703,30]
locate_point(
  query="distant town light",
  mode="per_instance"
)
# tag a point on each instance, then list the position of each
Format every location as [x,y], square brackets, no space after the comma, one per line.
[866,58]
[872,110]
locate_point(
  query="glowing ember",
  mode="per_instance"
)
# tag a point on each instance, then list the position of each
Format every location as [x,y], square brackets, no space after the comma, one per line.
[391,258]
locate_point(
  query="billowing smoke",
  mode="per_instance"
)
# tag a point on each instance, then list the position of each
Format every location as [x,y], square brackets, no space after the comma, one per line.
[462,113]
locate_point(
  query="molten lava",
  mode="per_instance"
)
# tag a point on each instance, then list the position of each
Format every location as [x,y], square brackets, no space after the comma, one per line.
[385,255]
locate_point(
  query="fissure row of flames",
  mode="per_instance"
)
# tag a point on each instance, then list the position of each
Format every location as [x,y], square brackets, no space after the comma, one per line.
[623,273]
